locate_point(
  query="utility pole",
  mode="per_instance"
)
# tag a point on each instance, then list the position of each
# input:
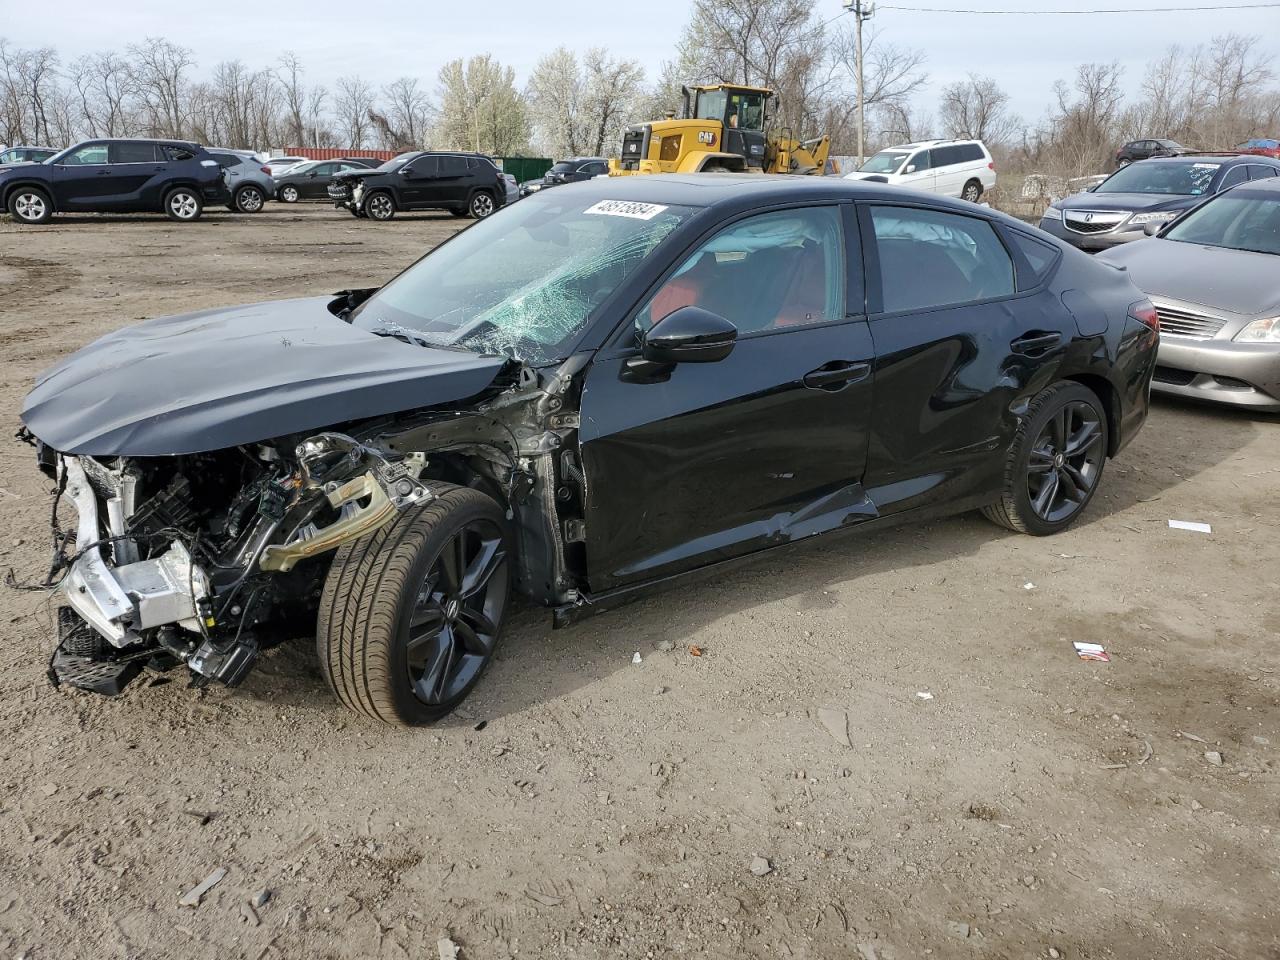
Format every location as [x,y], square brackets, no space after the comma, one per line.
[862,11]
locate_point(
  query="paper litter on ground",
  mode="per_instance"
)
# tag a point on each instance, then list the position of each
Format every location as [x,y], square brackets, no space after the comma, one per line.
[1192,525]
[1091,651]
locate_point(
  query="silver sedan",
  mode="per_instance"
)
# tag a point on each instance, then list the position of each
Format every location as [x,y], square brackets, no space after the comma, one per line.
[1214,278]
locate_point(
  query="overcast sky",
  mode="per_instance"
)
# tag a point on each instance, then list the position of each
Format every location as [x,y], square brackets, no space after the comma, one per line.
[384,39]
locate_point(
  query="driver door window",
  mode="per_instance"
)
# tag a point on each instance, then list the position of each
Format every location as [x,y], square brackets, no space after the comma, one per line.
[94,153]
[764,273]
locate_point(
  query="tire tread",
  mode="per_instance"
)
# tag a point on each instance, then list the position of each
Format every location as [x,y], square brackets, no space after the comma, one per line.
[360,605]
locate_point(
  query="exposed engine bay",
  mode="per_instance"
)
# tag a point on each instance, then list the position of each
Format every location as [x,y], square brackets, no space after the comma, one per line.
[203,560]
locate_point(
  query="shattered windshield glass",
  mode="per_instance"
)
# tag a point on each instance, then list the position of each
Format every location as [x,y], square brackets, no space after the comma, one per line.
[522,282]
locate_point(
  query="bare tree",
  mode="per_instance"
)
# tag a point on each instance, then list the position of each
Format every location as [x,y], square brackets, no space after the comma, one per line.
[408,113]
[295,97]
[161,82]
[977,109]
[352,104]
[104,87]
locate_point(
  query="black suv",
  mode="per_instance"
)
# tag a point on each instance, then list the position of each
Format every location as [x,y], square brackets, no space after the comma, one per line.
[115,176]
[1146,149]
[465,184]
[572,170]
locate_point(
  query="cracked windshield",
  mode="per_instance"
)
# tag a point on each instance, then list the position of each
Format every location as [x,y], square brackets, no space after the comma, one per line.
[525,283]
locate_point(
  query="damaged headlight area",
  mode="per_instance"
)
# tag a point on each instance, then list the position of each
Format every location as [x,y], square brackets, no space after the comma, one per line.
[182,560]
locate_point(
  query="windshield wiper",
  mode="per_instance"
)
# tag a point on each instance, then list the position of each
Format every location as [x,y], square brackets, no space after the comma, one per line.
[414,339]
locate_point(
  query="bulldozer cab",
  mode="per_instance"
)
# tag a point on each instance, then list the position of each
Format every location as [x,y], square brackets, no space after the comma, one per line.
[742,112]
[738,108]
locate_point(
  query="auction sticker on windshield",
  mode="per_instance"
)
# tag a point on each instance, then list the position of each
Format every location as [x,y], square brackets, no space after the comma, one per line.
[626,208]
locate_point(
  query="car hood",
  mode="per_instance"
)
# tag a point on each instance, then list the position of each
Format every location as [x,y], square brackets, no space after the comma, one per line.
[220,378]
[1128,201]
[1237,281]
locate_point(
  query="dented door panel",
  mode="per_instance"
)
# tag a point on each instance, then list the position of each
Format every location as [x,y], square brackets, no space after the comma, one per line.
[722,458]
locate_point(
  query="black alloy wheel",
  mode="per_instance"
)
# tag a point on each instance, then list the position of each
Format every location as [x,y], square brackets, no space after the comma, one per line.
[1065,462]
[1055,462]
[411,614]
[454,624]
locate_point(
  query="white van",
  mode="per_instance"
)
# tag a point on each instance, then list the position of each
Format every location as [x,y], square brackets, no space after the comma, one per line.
[953,168]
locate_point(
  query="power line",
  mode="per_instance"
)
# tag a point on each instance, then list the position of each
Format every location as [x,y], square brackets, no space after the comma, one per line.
[1225,6]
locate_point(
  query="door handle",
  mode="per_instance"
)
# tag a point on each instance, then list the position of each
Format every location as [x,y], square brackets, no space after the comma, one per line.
[103,173]
[836,375]
[1035,342]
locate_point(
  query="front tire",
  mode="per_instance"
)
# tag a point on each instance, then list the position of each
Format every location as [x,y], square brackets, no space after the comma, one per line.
[250,199]
[379,206]
[972,191]
[183,204]
[288,193]
[411,615]
[481,205]
[1055,462]
[30,205]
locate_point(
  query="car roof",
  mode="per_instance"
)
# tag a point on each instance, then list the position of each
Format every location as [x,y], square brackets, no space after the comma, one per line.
[28,146]
[1222,158]
[916,144]
[748,190]
[169,140]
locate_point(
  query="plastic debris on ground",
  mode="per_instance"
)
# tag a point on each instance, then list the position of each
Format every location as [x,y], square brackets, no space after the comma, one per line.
[636,658]
[1192,525]
[924,694]
[1028,585]
[1091,651]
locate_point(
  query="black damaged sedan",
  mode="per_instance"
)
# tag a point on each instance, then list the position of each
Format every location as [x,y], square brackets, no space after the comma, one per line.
[580,399]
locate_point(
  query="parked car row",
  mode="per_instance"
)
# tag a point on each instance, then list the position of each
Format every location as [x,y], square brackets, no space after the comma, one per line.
[180,179]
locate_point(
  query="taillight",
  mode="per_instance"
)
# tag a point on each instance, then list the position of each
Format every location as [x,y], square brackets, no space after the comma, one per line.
[1145,314]
[991,165]
[266,170]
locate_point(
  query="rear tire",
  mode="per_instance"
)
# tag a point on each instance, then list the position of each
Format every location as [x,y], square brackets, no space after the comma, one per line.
[972,191]
[183,204]
[250,199]
[1055,462]
[30,205]
[410,615]
[481,205]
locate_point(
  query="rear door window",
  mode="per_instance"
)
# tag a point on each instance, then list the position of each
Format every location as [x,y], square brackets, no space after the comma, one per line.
[225,160]
[176,153]
[1233,176]
[961,257]
[453,166]
[1258,172]
[132,152]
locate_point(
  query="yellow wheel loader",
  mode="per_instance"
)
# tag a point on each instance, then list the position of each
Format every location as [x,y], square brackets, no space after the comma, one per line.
[722,130]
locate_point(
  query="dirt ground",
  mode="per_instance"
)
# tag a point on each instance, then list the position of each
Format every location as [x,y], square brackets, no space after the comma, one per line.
[582,805]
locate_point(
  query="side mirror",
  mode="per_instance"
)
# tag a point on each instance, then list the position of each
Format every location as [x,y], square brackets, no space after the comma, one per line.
[1151,229]
[911,168]
[689,335]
